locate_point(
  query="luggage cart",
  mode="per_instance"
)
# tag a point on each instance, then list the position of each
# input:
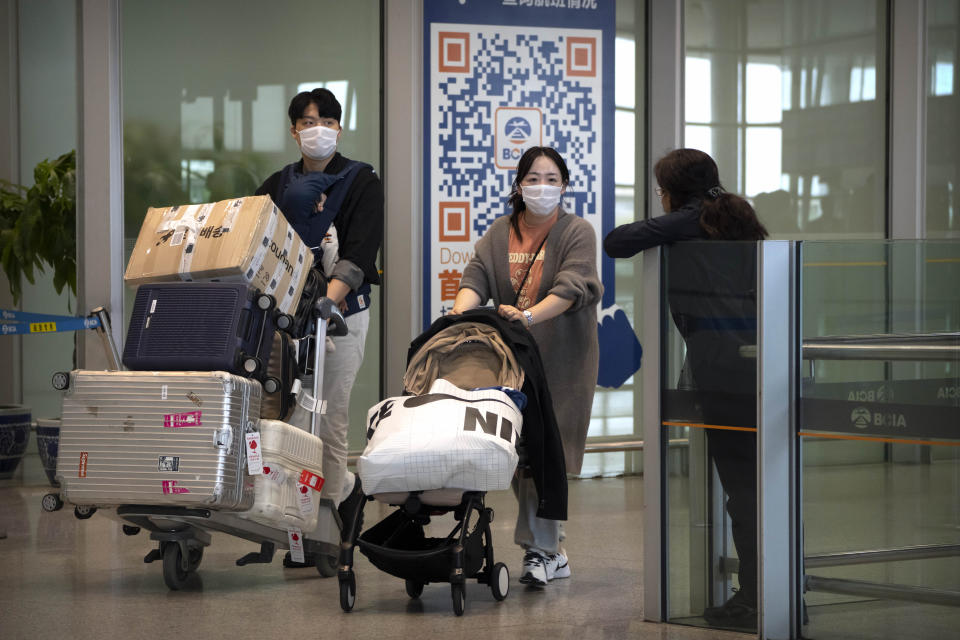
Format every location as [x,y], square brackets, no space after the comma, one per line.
[182,533]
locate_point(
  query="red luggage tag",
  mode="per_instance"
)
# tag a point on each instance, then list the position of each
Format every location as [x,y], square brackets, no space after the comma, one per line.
[304,500]
[311,479]
[295,538]
[276,473]
[254,457]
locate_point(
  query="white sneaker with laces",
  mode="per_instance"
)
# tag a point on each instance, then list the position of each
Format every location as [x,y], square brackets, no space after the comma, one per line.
[534,570]
[558,566]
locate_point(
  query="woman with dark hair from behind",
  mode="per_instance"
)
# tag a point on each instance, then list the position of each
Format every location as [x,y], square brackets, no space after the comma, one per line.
[711,289]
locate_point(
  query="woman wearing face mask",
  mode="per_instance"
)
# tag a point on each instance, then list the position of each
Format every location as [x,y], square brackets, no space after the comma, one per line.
[539,265]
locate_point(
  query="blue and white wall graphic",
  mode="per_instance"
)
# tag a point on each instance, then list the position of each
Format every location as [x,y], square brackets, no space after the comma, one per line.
[502,76]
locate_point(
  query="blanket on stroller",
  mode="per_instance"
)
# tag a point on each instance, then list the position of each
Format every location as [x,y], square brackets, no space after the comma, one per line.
[541,436]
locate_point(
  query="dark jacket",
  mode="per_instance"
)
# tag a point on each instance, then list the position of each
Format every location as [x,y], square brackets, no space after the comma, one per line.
[541,437]
[628,240]
[712,292]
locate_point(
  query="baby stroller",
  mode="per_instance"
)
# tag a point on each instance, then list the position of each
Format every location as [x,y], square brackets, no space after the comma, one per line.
[462,387]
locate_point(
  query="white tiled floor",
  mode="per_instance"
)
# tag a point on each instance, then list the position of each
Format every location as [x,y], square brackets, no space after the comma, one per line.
[65,578]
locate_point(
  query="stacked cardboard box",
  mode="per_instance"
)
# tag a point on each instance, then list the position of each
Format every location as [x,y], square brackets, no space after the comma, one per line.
[240,240]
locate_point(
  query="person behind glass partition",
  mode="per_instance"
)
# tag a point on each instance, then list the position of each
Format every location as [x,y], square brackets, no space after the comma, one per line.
[711,289]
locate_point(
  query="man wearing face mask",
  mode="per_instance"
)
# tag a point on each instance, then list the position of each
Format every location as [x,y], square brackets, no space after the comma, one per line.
[539,265]
[336,205]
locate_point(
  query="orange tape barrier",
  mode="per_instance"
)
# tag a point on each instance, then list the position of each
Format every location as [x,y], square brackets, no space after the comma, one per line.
[834,436]
[707,426]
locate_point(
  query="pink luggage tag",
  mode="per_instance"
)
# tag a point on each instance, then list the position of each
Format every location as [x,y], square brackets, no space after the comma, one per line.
[311,479]
[254,457]
[304,500]
[295,538]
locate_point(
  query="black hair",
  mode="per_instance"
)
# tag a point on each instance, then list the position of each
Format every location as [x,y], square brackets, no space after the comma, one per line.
[327,105]
[689,175]
[523,168]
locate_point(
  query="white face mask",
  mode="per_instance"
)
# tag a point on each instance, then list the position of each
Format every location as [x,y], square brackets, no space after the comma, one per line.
[318,142]
[541,199]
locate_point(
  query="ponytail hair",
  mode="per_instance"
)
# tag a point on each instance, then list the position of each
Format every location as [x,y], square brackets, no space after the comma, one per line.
[690,175]
[730,217]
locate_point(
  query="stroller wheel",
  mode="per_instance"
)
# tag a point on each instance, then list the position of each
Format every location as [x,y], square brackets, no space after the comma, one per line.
[348,591]
[414,588]
[459,592]
[500,581]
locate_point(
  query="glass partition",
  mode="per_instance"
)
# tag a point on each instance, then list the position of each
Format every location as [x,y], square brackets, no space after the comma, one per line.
[943,129]
[789,97]
[613,421]
[879,428]
[708,401]
[206,87]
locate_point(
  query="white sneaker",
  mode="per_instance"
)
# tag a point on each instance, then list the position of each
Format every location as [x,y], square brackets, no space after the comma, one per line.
[558,566]
[534,570]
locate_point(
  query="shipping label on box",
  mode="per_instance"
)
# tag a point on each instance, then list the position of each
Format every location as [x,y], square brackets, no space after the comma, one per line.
[244,239]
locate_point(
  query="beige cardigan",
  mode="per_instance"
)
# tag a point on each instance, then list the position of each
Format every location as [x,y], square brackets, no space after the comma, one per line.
[568,343]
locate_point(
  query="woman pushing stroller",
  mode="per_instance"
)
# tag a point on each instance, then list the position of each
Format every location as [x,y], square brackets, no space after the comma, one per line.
[539,265]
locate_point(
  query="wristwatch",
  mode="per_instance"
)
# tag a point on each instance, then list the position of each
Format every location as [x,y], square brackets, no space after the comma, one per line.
[528,316]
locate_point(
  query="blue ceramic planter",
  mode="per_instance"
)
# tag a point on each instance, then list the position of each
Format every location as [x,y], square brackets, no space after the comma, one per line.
[14,433]
[48,442]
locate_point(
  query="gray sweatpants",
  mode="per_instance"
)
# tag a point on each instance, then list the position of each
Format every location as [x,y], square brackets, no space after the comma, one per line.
[532,532]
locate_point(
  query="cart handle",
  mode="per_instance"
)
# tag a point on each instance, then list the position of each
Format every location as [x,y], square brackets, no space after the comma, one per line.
[326,309]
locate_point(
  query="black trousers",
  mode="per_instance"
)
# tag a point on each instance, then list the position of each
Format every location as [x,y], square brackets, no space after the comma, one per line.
[734,453]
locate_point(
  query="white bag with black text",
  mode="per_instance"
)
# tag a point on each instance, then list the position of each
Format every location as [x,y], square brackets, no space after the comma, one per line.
[448,438]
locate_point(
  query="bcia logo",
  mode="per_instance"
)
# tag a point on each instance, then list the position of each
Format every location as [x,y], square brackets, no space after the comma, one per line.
[948,392]
[880,394]
[517,129]
[517,132]
[861,417]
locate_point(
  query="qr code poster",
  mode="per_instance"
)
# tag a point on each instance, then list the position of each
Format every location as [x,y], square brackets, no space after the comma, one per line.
[502,76]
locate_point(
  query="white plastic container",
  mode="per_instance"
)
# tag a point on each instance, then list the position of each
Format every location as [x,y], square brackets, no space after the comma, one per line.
[281,500]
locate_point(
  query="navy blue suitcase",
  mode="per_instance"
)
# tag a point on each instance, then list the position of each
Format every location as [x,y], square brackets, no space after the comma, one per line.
[201,326]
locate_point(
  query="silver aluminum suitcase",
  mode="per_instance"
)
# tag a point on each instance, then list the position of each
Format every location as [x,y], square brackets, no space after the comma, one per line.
[157,438]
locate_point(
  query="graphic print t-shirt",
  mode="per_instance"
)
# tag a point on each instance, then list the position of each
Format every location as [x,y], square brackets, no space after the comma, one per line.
[521,258]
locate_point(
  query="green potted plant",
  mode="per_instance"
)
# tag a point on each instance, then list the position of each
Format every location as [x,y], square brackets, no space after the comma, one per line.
[38,225]
[37,229]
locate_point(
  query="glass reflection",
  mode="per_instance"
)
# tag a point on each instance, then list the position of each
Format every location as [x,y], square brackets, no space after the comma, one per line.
[205,93]
[943,128]
[784,96]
